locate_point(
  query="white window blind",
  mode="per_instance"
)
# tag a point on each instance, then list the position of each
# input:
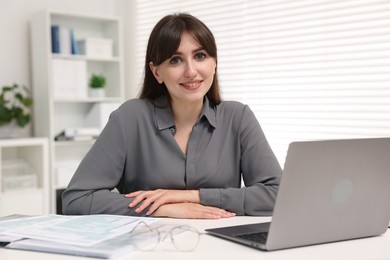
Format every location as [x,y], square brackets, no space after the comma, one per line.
[308,69]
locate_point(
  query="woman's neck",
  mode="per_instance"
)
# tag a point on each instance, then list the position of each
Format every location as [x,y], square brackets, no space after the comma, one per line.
[185,116]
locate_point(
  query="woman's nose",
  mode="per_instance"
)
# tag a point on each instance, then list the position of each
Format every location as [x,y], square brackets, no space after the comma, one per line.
[190,70]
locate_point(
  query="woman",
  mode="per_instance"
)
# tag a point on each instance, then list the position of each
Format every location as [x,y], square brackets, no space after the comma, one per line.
[178,150]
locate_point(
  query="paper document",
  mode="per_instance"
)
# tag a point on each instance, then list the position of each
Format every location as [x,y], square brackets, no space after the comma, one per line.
[111,248]
[102,236]
[74,230]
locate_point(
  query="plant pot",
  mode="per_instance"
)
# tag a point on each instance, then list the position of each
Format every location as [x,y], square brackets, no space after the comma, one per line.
[97,92]
[11,130]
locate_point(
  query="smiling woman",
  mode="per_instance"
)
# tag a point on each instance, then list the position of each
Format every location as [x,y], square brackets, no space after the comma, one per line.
[194,171]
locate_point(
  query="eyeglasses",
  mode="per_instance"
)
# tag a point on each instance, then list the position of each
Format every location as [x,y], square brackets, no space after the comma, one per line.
[146,238]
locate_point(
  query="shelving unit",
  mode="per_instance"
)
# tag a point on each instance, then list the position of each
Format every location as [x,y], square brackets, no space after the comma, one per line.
[52,114]
[24,176]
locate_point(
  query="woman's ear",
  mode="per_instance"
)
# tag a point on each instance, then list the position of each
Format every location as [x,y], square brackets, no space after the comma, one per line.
[154,70]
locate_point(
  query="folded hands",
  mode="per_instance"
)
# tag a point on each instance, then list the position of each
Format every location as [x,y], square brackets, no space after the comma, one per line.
[175,204]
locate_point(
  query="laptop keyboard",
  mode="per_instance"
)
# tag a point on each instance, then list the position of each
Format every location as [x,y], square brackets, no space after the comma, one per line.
[260,237]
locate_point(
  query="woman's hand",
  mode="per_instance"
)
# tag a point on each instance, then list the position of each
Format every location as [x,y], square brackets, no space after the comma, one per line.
[159,197]
[191,210]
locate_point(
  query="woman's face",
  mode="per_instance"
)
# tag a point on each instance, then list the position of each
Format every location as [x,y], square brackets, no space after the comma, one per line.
[188,74]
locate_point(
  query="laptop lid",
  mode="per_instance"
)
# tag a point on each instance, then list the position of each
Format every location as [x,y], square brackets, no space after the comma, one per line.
[330,191]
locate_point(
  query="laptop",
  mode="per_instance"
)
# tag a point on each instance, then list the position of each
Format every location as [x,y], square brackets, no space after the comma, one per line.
[330,190]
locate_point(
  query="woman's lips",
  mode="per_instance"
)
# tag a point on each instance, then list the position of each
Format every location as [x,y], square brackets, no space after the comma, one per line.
[192,85]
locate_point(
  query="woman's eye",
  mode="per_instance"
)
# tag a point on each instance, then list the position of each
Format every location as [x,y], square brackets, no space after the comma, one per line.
[200,56]
[175,60]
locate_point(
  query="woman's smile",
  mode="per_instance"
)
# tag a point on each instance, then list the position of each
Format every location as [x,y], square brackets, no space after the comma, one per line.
[192,85]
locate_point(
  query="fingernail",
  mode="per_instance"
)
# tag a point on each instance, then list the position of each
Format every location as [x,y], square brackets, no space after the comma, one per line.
[131,204]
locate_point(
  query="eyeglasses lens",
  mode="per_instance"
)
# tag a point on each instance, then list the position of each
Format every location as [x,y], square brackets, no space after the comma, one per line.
[145,238]
[185,238]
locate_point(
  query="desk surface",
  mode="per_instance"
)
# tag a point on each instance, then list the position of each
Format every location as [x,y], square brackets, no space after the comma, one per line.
[215,248]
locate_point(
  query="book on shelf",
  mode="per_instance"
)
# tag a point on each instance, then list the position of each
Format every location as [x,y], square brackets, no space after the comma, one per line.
[78,134]
[74,47]
[63,40]
[65,47]
[75,138]
[55,39]
[81,131]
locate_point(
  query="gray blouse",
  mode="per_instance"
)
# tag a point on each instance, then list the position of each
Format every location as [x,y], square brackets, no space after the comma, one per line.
[137,151]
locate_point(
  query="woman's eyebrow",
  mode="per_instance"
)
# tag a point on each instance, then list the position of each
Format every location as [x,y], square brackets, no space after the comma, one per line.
[198,49]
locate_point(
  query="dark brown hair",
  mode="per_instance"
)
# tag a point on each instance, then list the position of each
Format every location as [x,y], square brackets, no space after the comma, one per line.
[164,41]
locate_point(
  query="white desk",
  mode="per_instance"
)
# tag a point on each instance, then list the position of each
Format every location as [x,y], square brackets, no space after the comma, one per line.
[215,248]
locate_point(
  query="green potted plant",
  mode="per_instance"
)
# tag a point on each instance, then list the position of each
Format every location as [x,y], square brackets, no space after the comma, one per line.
[14,104]
[97,82]
[14,109]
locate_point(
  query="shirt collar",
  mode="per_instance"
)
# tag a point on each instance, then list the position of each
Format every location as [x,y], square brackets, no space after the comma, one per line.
[164,116]
[209,111]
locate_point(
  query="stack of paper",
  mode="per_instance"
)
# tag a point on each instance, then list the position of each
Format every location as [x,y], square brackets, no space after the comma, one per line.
[101,236]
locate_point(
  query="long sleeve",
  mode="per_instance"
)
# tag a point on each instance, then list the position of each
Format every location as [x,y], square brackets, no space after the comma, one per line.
[259,168]
[91,188]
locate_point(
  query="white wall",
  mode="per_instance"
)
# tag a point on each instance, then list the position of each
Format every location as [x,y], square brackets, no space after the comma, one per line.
[15,15]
